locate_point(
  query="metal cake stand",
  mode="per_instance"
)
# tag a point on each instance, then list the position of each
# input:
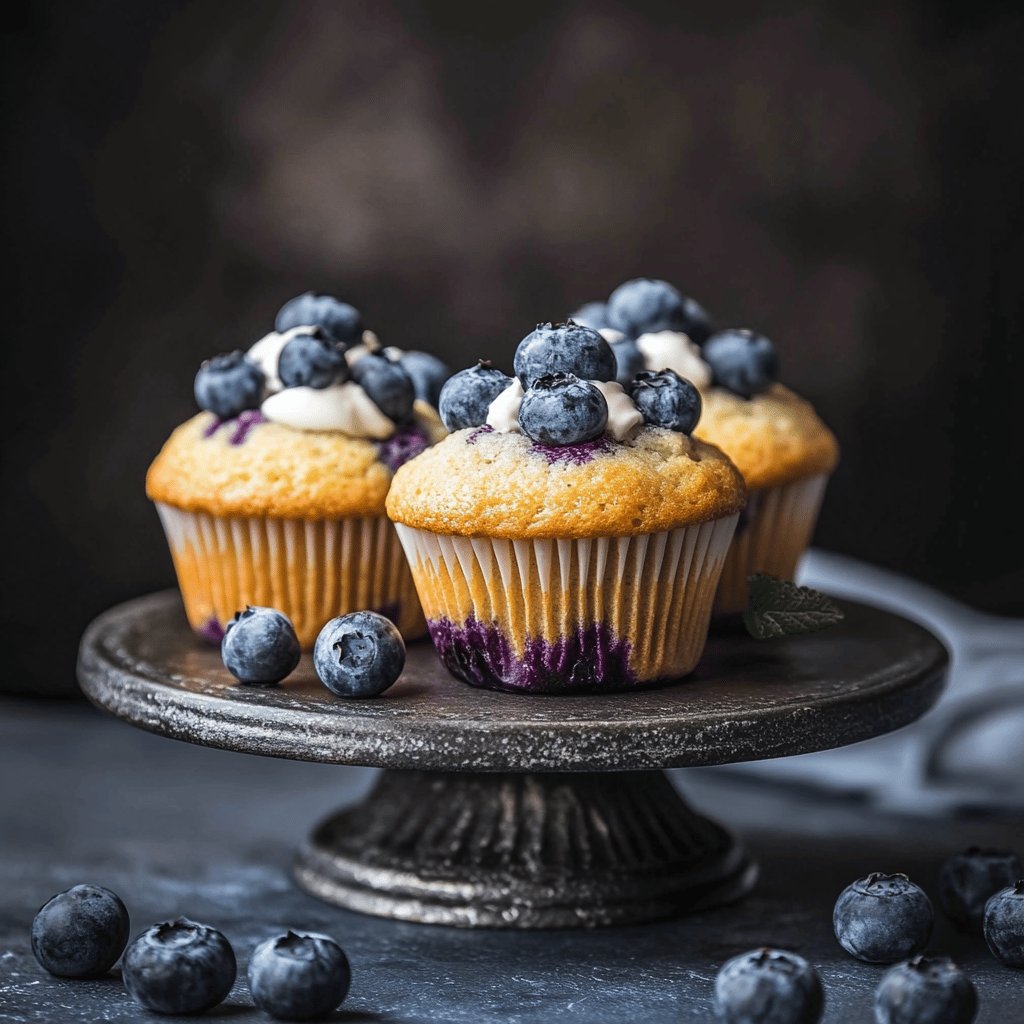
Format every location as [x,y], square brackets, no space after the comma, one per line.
[505,810]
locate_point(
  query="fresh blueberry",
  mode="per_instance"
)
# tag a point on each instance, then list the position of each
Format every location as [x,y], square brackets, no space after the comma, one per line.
[80,932]
[228,384]
[1004,924]
[768,986]
[925,991]
[564,348]
[390,388]
[666,400]
[561,409]
[338,320]
[591,314]
[179,967]
[882,918]
[359,655]
[629,360]
[311,361]
[428,374]
[742,361]
[299,976]
[967,879]
[645,306]
[466,396]
[260,646]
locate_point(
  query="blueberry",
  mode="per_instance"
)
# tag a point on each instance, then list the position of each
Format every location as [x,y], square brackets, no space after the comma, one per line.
[666,400]
[742,361]
[925,991]
[179,967]
[260,646]
[629,360]
[1003,924]
[228,384]
[359,655]
[338,320]
[643,306]
[299,976]
[561,409]
[882,918]
[428,374]
[466,396]
[591,314]
[80,932]
[768,986]
[390,388]
[967,879]
[564,348]
[311,361]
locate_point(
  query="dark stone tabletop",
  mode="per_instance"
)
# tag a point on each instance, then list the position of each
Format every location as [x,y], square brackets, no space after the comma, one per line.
[181,829]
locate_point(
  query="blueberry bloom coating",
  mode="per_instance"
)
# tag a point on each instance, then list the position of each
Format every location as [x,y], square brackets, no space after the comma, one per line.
[768,986]
[1003,924]
[666,400]
[882,918]
[311,361]
[564,348]
[591,314]
[466,396]
[359,655]
[968,879]
[260,647]
[561,410]
[427,373]
[338,320]
[742,361]
[644,306]
[80,932]
[229,384]
[925,991]
[629,361]
[299,976]
[390,388]
[179,967]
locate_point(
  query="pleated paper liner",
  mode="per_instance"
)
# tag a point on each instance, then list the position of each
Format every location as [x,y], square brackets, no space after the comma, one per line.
[312,570]
[547,616]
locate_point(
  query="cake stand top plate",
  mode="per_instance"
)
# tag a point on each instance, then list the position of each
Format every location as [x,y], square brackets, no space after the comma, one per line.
[748,699]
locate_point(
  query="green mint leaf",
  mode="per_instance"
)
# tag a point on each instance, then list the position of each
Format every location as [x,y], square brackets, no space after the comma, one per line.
[779,608]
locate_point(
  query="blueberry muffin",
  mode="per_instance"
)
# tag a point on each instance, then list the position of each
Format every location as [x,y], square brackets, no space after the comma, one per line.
[274,494]
[569,533]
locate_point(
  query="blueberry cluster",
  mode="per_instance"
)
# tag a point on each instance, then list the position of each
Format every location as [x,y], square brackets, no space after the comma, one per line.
[741,361]
[356,655]
[182,966]
[231,384]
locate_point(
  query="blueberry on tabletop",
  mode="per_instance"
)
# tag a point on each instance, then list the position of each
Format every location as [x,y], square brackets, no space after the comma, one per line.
[666,400]
[311,361]
[338,320]
[1003,924]
[428,374]
[80,932]
[390,388]
[299,976]
[768,986]
[628,359]
[882,918]
[591,314]
[228,384]
[466,396]
[925,991]
[561,409]
[260,646]
[742,361]
[179,967]
[359,655]
[967,879]
[564,348]
[644,306]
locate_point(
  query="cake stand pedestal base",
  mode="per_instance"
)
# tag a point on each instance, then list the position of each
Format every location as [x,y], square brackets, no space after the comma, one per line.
[551,850]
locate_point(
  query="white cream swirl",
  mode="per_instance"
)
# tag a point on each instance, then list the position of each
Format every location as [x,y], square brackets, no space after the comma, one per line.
[341,407]
[503,412]
[673,350]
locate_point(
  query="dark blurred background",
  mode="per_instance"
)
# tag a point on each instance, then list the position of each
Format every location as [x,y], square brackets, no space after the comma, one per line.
[847,177]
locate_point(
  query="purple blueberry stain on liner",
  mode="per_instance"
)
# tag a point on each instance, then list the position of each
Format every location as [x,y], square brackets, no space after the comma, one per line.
[211,631]
[404,445]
